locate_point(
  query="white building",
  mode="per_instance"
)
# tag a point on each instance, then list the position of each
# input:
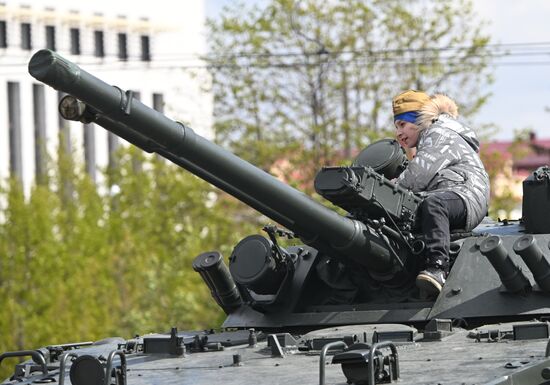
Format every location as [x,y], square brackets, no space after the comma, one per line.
[151,48]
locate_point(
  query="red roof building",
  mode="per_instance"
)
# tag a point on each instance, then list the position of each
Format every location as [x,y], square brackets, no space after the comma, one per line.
[526,156]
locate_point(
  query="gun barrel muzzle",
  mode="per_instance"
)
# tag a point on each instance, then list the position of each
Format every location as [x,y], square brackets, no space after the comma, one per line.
[510,274]
[526,246]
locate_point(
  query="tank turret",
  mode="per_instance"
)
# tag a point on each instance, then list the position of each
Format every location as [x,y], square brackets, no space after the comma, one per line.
[366,258]
[92,100]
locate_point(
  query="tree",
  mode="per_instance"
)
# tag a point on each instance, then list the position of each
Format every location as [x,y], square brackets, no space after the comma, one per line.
[312,81]
[506,181]
[77,265]
[503,181]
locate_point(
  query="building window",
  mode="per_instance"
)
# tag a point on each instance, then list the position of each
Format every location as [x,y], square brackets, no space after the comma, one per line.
[75,41]
[145,48]
[122,46]
[14,124]
[26,42]
[50,37]
[99,45]
[158,102]
[3,34]
[39,112]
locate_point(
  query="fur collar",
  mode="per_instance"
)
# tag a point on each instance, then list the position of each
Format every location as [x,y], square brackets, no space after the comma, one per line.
[439,104]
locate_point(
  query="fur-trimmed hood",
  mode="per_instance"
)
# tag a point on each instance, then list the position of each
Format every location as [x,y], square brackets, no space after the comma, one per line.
[442,111]
[439,104]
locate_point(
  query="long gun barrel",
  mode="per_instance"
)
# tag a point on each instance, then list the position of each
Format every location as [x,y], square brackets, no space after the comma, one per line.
[150,130]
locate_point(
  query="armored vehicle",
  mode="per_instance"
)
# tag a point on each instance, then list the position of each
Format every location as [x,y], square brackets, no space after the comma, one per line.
[342,307]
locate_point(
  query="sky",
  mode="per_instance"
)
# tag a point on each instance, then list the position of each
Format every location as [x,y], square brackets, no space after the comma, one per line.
[521,92]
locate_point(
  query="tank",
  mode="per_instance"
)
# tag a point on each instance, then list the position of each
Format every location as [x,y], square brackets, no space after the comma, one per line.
[341,307]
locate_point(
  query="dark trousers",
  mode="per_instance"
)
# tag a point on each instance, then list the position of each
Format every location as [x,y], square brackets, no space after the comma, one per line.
[441,212]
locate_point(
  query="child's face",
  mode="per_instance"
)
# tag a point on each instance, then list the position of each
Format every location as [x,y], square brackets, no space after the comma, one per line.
[407,133]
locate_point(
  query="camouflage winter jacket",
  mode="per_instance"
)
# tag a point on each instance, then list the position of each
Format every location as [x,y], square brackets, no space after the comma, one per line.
[447,160]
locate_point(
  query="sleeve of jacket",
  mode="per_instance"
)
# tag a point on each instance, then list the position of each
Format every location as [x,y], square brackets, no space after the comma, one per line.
[435,152]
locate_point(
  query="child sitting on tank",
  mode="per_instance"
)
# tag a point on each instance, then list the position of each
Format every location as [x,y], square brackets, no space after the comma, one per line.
[446,170]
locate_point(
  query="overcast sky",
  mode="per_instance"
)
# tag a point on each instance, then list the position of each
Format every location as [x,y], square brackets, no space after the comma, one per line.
[521,90]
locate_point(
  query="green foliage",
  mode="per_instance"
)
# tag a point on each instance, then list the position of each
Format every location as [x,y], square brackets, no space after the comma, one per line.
[77,265]
[318,76]
[505,180]
[503,199]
